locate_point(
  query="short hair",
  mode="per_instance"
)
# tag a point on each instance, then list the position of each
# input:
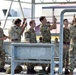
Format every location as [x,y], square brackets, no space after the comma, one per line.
[31,22]
[65,20]
[17,21]
[41,18]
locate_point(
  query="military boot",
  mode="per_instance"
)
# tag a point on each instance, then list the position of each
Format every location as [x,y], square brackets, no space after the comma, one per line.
[48,69]
[66,71]
[42,72]
[17,70]
[31,71]
[2,70]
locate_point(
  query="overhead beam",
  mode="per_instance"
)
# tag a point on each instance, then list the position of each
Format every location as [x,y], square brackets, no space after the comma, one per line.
[74,2]
[20,1]
[53,2]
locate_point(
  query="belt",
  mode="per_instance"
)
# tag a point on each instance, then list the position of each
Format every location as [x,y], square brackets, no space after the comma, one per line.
[66,43]
[14,39]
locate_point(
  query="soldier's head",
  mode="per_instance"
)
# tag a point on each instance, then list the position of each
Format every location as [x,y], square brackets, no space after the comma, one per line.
[17,22]
[43,19]
[65,22]
[56,40]
[32,23]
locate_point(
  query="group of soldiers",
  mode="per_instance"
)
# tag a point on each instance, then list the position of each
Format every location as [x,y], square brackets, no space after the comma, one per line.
[15,33]
[69,47]
[17,30]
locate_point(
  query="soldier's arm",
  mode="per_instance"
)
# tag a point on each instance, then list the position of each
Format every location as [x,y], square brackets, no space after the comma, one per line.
[53,26]
[3,38]
[74,19]
[6,36]
[24,24]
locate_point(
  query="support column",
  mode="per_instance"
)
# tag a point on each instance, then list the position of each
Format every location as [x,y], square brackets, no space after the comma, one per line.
[33,9]
[21,8]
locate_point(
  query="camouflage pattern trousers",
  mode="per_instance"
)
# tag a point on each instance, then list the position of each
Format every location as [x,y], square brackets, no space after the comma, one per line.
[2,58]
[66,57]
[72,59]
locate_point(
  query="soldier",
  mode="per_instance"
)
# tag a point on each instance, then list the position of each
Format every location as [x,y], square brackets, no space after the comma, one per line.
[66,44]
[56,41]
[45,32]
[15,33]
[73,46]
[16,30]
[30,37]
[2,53]
[45,29]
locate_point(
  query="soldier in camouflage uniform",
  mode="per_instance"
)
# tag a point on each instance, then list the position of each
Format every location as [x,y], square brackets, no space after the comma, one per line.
[30,37]
[45,29]
[66,44]
[2,53]
[15,33]
[73,47]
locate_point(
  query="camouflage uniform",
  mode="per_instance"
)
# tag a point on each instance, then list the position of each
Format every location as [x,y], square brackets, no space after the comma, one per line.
[14,33]
[66,42]
[46,38]
[15,36]
[31,36]
[73,46]
[2,53]
[45,32]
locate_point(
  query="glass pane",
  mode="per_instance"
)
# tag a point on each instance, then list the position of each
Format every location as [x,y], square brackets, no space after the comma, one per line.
[17,11]
[4,5]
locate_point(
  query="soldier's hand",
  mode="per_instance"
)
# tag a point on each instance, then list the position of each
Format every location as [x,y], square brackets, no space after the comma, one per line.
[54,19]
[24,19]
[8,37]
[4,38]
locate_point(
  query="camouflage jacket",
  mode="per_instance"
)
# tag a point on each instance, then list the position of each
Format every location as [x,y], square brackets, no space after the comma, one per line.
[45,32]
[31,35]
[73,33]
[14,33]
[66,36]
